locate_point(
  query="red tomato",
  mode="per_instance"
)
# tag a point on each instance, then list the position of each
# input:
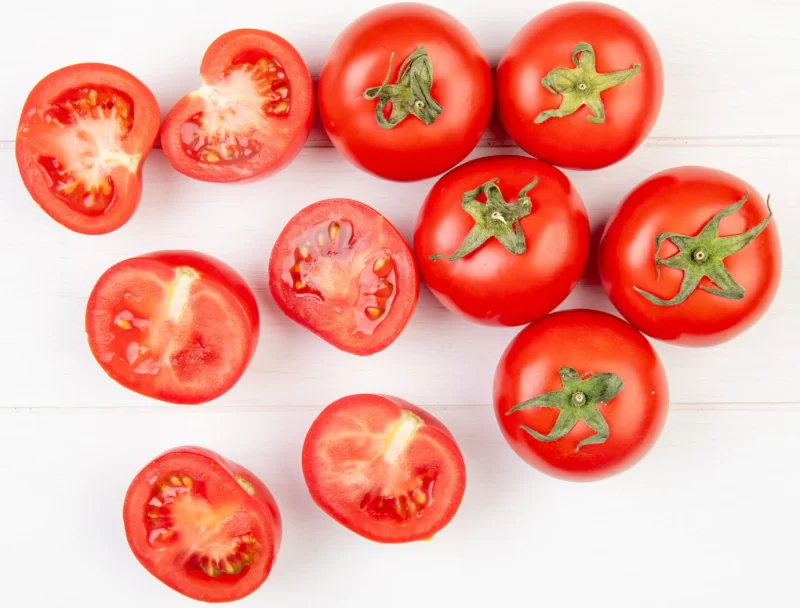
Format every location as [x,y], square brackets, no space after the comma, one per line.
[580,86]
[203,525]
[252,115]
[178,326]
[691,256]
[383,468]
[580,395]
[502,240]
[82,139]
[340,269]
[405,92]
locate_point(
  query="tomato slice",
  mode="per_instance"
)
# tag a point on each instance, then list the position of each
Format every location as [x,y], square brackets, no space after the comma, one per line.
[340,269]
[82,139]
[203,525]
[177,326]
[383,468]
[252,115]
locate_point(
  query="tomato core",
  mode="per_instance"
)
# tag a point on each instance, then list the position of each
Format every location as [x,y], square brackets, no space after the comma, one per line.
[322,264]
[180,514]
[253,87]
[91,122]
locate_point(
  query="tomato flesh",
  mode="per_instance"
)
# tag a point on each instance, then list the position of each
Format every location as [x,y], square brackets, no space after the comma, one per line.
[251,116]
[343,271]
[383,468]
[203,525]
[171,331]
[248,90]
[83,135]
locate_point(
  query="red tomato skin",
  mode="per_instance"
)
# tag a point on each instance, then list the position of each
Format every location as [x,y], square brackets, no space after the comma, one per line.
[359,59]
[435,426]
[587,341]
[305,315]
[262,501]
[147,120]
[683,200]
[211,269]
[546,42]
[491,285]
[269,160]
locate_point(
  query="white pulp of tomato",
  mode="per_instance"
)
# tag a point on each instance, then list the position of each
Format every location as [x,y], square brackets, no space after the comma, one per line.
[234,106]
[92,147]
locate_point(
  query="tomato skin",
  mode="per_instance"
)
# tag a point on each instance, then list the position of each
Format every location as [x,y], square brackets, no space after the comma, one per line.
[547,42]
[492,285]
[587,341]
[212,271]
[682,200]
[359,59]
[32,141]
[320,317]
[291,133]
[340,507]
[261,504]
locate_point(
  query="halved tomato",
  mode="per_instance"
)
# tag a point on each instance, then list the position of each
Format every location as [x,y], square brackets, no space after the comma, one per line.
[252,115]
[178,326]
[340,269]
[84,133]
[383,468]
[203,525]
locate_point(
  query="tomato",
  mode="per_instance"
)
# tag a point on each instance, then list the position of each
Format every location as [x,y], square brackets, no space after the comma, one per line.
[691,256]
[83,136]
[580,86]
[580,395]
[203,525]
[252,115]
[383,468]
[405,92]
[340,269]
[502,240]
[178,326]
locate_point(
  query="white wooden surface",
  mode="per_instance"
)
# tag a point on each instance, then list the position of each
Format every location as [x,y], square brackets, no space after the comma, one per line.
[709,518]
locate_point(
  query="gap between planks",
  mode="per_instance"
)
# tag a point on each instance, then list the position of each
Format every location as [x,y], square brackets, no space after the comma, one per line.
[787,406]
[319,140]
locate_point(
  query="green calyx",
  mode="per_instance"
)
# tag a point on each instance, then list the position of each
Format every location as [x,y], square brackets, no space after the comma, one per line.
[582,85]
[411,94]
[702,256]
[496,218]
[578,400]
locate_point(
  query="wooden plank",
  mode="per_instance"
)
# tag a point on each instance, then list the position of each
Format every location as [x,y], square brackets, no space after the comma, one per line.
[705,519]
[728,72]
[438,359]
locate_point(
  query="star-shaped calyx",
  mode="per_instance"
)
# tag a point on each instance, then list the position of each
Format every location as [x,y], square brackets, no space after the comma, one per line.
[702,256]
[582,85]
[578,400]
[411,94]
[496,218]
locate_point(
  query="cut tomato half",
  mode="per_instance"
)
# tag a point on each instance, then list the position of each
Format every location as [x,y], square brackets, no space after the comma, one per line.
[340,269]
[252,115]
[383,468]
[178,326]
[82,139]
[203,525]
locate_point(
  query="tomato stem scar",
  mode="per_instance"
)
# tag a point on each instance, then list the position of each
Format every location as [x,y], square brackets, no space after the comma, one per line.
[179,291]
[401,435]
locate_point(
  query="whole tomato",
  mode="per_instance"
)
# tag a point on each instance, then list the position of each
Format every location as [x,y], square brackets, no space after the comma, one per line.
[580,86]
[502,240]
[405,92]
[691,256]
[580,395]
